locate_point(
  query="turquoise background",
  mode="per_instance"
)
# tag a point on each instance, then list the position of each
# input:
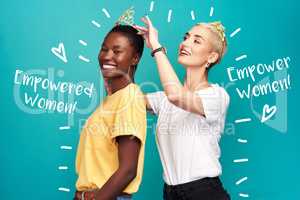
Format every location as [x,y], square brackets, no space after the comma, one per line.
[30,143]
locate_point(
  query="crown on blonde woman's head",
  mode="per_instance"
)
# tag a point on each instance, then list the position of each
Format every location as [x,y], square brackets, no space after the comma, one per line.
[218,27]
[127,18]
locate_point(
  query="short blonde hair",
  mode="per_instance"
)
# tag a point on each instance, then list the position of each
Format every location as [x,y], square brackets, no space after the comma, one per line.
[220,42]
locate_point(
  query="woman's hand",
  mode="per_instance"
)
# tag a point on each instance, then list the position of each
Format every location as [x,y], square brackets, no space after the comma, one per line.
[149,33]
[88,195]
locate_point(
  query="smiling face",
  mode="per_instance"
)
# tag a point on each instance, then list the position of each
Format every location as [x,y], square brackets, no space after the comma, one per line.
[117,56]
[196,49]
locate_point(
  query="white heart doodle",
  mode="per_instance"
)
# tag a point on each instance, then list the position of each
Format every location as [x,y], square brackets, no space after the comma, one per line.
[60,52]
[268,112]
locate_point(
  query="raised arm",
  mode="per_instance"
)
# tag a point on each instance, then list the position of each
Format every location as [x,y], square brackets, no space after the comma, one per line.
[174,90]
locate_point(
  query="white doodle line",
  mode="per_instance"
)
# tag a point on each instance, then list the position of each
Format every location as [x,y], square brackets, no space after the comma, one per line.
[235,32]
[64,127]
[241,180]
[242,140]
[243,195]
[96,23]
[106,12]
[240,160]
[169,16]
[241,57]
[242,120]
[211,11]
[63,167]
[66,147]
[83,58]
[151,6]
[193,15]
[83,42]
[63,189]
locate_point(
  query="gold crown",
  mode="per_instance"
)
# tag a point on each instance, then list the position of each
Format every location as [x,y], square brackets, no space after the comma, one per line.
[127,18]
[219,28]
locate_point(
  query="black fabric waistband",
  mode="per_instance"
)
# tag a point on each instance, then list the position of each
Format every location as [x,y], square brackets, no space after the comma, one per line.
[195,184]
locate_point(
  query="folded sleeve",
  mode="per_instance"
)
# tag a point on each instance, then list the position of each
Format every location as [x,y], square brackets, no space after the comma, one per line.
[155,100]
[215,103]
[130,116]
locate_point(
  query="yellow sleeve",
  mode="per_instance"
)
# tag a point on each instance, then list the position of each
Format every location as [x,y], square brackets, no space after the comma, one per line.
[130,116]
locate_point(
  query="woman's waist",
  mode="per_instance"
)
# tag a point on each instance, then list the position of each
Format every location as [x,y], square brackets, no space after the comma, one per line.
[91,194]
[178,177]
[202,183]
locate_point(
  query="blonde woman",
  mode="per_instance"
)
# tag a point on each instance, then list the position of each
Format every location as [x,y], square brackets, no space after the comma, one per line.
[191,115]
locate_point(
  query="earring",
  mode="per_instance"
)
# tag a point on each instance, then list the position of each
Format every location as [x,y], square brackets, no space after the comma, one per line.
[207,65]
[131,68]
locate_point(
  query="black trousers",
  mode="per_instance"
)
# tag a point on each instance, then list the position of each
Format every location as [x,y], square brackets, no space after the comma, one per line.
[203,189]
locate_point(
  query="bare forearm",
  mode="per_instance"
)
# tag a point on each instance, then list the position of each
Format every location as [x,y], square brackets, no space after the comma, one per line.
[128,154]
[171,84]
[115,185]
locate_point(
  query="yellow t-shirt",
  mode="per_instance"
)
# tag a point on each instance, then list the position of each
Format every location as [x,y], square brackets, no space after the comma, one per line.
[122,113]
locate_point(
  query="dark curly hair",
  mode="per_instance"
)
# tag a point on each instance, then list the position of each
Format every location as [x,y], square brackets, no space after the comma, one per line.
[136,40]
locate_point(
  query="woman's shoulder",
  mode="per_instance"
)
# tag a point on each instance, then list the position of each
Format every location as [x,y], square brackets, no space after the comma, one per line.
[158,95]
[215,90]
[131,90]
[219,88]
[222,92]
[161,93]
